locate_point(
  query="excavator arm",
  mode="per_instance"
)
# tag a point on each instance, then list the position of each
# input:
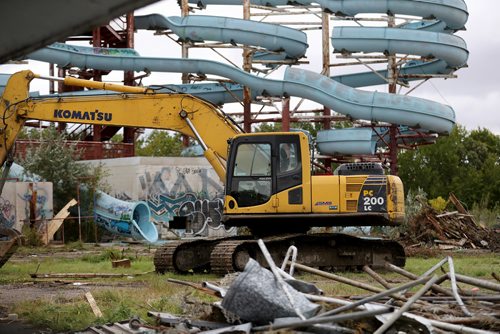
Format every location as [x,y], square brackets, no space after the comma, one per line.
[135,107]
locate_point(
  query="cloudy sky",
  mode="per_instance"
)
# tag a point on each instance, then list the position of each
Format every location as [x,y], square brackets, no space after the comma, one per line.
[474,95]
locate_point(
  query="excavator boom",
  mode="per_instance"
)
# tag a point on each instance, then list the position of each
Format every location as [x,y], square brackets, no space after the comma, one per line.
[135,107]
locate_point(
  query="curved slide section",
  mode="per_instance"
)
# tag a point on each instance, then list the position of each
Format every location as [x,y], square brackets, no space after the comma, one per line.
[452,49]
[454,12]
[357,104]
[129,219]
[199,28]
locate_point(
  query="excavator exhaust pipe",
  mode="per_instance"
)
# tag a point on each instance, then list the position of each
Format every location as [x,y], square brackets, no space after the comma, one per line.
[129,219]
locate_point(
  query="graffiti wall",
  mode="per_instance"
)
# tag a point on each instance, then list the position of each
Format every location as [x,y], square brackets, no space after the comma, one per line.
[179,186]
[23,203]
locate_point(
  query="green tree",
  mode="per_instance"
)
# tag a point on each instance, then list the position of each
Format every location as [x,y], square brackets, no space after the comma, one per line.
[160,144]
[466,163]
[55,161]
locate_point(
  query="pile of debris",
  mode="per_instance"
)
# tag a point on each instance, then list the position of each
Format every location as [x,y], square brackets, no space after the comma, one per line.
[449,230]
[262,300]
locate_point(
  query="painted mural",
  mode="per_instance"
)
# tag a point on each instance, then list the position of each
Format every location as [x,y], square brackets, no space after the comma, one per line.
[25,202]
[191,191]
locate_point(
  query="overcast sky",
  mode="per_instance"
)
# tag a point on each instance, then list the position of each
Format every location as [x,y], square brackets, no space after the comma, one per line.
[474,95]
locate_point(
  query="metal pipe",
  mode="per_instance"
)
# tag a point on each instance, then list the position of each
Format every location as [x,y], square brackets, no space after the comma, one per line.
[396,315]
[428,273]
[292,251]
[184,116]
[221,292]
[435,267]
[478,282]
[376,276]
[375,297]
[342,279]
[458,328]
[454,287]
[412,276]
[314,321]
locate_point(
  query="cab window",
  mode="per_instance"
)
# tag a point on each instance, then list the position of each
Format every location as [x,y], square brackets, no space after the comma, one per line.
[251,181]
[288,157]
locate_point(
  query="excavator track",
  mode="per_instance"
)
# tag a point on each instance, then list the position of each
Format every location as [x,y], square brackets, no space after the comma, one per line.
[225,259]
[232,255]
[326,251]
[329,252]
[185,256]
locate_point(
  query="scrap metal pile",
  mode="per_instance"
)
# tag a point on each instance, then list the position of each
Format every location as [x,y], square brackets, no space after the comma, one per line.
[261,300]
[449,230]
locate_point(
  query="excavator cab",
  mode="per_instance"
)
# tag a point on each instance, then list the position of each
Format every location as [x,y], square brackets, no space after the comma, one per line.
[270,187]
[267,174]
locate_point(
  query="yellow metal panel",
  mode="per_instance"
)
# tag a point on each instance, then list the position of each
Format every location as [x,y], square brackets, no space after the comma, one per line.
[268,207]
[284,207]
[325,194]
[350,186]
[395,203]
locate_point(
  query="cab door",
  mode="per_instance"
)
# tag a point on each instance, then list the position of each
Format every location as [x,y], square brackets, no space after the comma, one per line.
[289,174]
[250,184]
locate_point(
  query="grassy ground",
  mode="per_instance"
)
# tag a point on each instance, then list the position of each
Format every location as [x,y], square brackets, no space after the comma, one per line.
[60,306]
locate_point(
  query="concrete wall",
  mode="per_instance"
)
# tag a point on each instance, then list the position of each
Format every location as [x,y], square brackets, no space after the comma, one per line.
[172,186]
[16,200]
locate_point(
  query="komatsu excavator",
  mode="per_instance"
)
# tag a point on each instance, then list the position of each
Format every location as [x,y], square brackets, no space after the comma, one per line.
[269,186]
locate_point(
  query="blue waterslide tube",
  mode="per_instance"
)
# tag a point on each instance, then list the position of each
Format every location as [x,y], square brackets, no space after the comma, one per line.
[215,93]
[453,12]
[357,104]
[129,219]
[366,79]
[360,141]
[199,28]
[452,49]
[355,141]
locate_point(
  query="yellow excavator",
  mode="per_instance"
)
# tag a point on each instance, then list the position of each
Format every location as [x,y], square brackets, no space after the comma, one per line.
[269,186]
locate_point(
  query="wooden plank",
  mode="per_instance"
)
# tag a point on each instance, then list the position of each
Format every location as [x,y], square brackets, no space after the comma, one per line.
[55,223]
[93,304]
